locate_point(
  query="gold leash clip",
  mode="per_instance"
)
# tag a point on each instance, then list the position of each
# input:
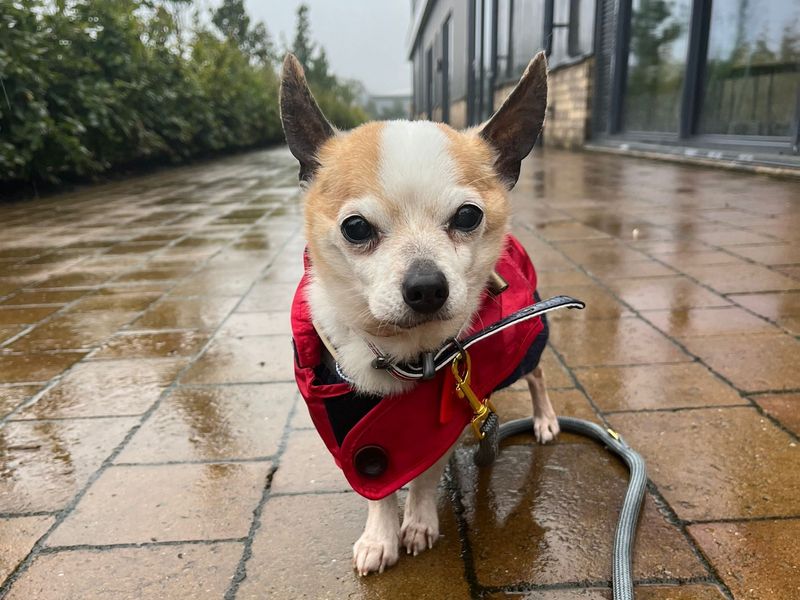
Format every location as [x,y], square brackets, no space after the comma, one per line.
[481,408]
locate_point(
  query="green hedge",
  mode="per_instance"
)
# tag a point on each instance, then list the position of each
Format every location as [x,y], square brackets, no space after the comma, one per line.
[89,85]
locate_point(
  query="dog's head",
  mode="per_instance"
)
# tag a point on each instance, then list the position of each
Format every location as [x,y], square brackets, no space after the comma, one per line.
[406,219]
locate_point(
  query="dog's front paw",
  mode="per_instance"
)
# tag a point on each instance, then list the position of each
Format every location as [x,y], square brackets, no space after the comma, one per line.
[372,554]
[545,428]
[420,530]
[416,537]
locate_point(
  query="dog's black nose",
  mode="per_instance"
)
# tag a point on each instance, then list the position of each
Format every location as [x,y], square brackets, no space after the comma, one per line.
[425,288]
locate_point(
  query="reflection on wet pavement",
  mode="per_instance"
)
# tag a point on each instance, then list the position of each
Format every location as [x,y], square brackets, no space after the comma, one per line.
[152,442]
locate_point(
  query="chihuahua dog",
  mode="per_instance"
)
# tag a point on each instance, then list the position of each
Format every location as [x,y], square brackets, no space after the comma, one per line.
[405,221]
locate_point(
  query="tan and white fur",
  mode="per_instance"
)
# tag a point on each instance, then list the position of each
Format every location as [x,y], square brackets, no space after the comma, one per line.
[405,183]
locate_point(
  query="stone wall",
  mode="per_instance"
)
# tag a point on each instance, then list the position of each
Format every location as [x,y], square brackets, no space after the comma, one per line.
[458,114]
[569,105]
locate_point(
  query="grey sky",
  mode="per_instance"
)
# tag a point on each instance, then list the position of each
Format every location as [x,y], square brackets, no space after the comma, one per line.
[365,39]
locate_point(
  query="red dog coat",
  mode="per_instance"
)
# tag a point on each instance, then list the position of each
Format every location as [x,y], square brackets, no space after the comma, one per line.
[382,443]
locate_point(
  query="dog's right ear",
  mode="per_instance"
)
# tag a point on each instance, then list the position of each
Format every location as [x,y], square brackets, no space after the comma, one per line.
[513,129]
[304,125]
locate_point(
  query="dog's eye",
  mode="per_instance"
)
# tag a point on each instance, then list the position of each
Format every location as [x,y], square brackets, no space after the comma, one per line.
[467,218]
[357,230]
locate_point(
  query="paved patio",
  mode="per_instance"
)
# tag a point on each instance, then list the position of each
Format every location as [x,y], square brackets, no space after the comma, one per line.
[153,444]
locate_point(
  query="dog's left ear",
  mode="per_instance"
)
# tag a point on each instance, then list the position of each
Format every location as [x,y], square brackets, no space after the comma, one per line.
[304,125]
[513,129]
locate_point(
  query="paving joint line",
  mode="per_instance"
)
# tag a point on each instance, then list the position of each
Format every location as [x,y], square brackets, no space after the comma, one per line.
[240,574]
[199,461]
[454,492]
[123,545]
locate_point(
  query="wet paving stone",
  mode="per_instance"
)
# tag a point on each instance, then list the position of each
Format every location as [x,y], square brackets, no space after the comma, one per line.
[35,367]
[249,324]
[752,363]
[34,297]
[548,516]
[640,269]
[177,572]
[653,387]
[770,254]
[17,537]
[717,463]
[161,344]
[699,322]
[153,274]
[72,331]
[731,237]
[755,560]
[218,282]
[613,342]
[105,388]
[297,557]
[115,300]
[9,331]
[185,313]
[671,293]
[783,407]
[139,504]
[731,279]
[26,315]
[307,466]
[214,423]
[779,307]
[602,252]
[257,359]
[13,396]
[75,279]
[268,296]
[43,465]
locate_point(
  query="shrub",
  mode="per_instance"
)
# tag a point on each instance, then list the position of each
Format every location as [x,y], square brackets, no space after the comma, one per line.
[90,85]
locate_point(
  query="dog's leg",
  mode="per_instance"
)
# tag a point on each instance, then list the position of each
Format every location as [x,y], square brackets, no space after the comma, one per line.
[420,520]
[545,422]
[377,548]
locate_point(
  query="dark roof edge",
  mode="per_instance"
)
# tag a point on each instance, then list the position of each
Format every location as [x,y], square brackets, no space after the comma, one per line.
[420,17]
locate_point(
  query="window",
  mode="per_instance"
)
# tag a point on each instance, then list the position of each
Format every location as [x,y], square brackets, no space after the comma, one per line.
[429,83]
[446,67]
[504,33]
[753,68]
[573,31]
[659,34]
[526,33]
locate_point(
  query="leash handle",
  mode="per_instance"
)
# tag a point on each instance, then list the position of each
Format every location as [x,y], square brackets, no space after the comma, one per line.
[448,352]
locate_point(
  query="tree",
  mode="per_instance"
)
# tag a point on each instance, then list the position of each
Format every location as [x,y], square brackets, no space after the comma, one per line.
[302,46]
[233,22]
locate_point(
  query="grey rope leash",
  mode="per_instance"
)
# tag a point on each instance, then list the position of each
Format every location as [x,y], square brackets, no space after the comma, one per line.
[621,578]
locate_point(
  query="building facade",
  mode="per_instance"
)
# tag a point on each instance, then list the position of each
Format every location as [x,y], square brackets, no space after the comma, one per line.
[716,79]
